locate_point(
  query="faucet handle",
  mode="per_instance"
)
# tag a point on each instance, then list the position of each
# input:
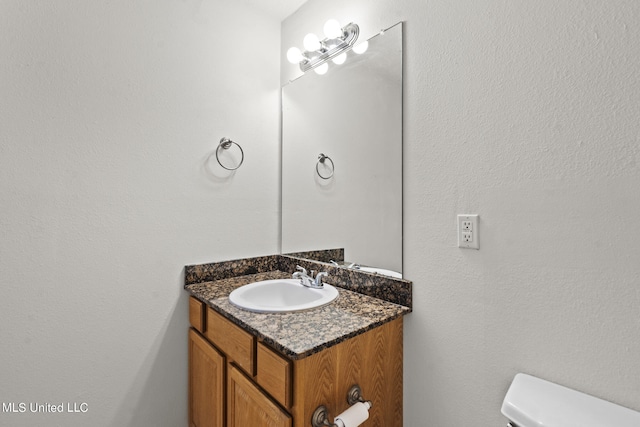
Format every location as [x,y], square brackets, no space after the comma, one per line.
[302,269]
[318,280]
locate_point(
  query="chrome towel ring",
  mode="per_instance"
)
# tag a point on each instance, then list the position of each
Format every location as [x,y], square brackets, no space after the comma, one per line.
[225,144]
[321,159]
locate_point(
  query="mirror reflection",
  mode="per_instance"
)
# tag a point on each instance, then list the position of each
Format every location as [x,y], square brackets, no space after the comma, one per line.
[342,159]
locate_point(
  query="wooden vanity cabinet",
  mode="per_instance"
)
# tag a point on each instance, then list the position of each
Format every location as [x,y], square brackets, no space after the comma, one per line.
[237,381]
[206,383]
[249,406]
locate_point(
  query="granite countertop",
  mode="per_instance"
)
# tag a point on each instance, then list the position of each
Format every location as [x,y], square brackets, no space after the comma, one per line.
[299,334]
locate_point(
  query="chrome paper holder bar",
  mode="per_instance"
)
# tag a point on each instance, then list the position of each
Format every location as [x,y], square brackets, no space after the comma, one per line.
[320,416]
[354,395]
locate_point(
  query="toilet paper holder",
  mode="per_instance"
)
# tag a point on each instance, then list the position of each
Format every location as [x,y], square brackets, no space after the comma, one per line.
[320,416]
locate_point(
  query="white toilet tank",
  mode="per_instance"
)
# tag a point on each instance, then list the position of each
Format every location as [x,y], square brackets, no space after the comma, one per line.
[532,402]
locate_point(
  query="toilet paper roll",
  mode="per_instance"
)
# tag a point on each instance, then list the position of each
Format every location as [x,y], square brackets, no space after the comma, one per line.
[354,416]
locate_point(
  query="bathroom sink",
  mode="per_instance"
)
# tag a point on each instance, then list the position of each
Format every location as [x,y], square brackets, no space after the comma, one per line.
[281,296]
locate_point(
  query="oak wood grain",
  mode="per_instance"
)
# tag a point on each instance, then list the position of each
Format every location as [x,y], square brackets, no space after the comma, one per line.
[250,407]
[206,383]
[372,360]
[274,374]
[236,343]
[196,314]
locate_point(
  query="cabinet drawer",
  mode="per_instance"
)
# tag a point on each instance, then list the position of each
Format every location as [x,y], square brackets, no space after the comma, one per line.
[237,344]
[196,314]
[274,375]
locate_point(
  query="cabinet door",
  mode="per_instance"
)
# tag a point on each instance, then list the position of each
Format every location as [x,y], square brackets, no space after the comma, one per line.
[206,383]
[248,406]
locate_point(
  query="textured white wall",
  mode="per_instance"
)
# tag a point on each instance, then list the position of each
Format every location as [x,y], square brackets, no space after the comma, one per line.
[527,114]
[108,112]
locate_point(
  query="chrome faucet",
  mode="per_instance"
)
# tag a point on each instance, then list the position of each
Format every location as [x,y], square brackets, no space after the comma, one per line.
[317,283]
[307,280]
[303,276]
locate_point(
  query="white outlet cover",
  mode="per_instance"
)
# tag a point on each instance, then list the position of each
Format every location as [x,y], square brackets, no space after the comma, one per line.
[468,237]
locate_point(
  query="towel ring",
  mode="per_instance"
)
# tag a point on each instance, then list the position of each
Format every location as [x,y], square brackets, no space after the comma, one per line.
[321,159]
[225,144]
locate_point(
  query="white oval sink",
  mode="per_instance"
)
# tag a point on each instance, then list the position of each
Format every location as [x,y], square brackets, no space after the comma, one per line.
[281,295]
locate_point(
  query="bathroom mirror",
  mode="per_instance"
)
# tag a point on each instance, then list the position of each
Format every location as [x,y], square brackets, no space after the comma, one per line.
[342,158]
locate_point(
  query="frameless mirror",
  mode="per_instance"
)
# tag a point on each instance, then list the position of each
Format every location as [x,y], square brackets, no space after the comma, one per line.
[342,158]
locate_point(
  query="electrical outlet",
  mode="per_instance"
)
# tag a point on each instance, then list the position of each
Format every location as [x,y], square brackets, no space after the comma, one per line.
[468,232]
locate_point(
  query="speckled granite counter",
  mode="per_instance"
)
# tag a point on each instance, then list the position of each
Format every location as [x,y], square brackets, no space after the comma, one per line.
[375,285]
[300,334]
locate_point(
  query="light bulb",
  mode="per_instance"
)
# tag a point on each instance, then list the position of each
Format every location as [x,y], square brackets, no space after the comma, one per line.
[294,55]
[340,58]
[361,48]
[311,42]
[332,29]
[322,69]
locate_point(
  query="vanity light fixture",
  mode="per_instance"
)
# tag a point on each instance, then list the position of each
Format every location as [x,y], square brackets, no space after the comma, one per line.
[333,47]
[361,47]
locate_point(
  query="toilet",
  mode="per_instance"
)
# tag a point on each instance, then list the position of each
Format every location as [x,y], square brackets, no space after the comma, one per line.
[533,402]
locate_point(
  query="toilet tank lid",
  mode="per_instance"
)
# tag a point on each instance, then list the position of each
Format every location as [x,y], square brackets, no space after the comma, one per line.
[532,402]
